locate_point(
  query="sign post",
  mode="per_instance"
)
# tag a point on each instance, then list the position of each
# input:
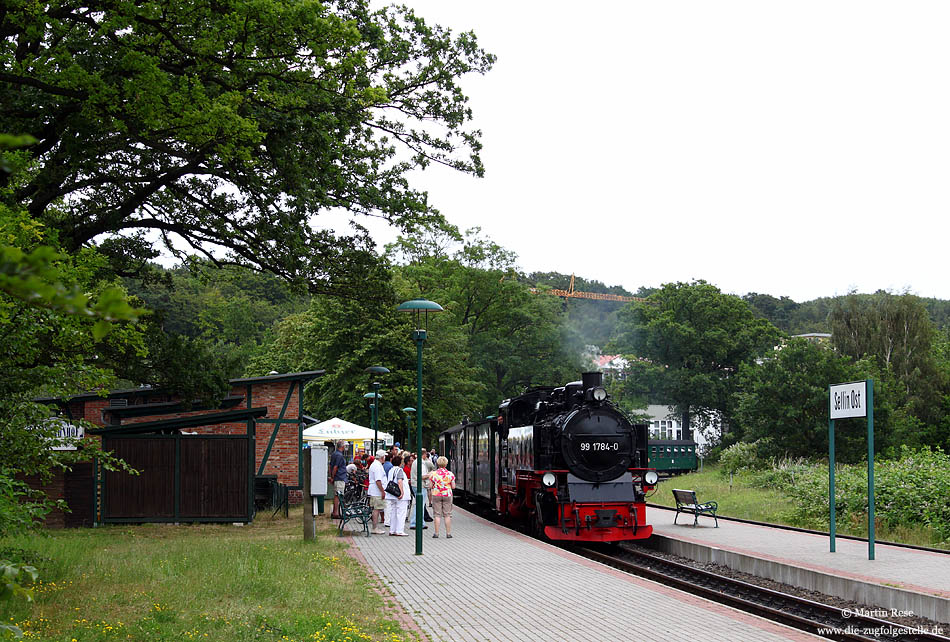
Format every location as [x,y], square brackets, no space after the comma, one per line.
[854,399]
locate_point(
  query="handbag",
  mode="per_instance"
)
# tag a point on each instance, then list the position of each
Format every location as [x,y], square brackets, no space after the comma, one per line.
[393,489]
[426,516]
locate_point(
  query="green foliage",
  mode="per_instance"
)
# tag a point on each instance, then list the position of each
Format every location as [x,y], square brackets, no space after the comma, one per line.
[791,317]
[229,126]
[777,311]
[494,338]
[690,339]
[345,337]
[911,489]
[21,507]
[896,331]
[784,400]
[12,578]
[741,456]
[514,338]
[57,319]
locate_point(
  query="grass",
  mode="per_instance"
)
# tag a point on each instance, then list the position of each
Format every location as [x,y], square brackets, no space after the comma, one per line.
[739,498]
[201,582]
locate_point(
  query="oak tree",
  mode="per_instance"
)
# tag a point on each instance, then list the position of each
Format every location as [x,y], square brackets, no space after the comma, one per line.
[226,127]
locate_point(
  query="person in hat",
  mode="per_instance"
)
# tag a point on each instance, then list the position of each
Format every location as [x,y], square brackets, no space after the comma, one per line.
[377,491]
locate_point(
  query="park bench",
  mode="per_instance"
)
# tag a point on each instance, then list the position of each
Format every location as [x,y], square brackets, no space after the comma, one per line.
[686,502]
[354,509]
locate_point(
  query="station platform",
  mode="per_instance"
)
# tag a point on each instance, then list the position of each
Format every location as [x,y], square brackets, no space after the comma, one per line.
[491,583]
[898,578]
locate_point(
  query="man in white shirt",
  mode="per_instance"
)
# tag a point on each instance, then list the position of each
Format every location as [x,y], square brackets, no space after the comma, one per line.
[377,491]
[427,467]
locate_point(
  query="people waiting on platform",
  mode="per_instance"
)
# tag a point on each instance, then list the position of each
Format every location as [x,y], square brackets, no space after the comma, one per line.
[427,467]
[337,476]
[377,492]
[398,504]
[441,483]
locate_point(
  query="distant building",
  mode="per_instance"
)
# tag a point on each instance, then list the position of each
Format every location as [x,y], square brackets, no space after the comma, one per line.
[612,364]
[814,337]
[666,425]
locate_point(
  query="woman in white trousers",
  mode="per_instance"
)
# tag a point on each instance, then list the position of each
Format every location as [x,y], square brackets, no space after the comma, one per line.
[398,506]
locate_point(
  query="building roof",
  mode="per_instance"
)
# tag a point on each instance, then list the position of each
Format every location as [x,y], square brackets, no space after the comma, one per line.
[296,376]
[127,392]
[177,423]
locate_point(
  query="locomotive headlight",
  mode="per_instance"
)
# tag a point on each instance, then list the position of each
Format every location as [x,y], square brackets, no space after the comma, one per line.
[650,477]
[549,479]
[599,394]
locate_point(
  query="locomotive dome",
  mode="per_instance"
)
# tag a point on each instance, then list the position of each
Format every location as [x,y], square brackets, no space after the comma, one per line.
[597,443]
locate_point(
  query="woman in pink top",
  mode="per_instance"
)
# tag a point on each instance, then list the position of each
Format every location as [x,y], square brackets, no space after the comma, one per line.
[441,482]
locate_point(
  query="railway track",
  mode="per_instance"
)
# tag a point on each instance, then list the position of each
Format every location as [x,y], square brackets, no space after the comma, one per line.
[814,617]
[797,529]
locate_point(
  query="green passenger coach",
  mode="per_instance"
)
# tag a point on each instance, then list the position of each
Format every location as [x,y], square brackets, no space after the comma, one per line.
[672,456]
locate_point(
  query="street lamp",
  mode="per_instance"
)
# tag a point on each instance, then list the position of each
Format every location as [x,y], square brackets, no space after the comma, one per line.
[409,412]
[420,309]
[375,396]
[372,408]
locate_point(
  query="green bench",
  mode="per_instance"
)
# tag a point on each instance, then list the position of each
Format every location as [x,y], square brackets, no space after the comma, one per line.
[355,510]
[686,502]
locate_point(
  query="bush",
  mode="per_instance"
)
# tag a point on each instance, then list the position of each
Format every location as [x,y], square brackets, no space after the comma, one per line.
[741,456]
[910,490]
[914,489]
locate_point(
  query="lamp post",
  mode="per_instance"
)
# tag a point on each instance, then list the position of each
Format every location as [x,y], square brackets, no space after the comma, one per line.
[420,309]
[409,412]
[374,399]
[372,410]
[375,396]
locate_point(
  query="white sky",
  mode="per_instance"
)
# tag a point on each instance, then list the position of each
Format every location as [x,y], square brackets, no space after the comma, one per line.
[790,148]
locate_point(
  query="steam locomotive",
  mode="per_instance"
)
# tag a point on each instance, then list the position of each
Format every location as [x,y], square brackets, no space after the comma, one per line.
[563,461]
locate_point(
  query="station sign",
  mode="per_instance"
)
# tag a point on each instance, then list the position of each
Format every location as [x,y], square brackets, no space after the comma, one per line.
[848,399]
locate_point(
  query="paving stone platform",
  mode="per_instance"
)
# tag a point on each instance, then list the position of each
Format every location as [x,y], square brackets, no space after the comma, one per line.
[898,578]
[490,583]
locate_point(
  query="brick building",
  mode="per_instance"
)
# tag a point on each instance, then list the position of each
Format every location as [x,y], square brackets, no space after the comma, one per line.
[265,412]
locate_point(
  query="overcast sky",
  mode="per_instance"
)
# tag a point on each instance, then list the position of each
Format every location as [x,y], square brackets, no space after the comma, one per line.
[790,148]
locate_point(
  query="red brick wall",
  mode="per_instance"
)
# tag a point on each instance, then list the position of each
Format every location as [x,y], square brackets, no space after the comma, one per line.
[92,410]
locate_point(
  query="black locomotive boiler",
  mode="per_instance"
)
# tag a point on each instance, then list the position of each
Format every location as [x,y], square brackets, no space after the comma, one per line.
[563,460]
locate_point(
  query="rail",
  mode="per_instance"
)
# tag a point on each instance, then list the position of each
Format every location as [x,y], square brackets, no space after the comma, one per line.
[798,529]
[831,622]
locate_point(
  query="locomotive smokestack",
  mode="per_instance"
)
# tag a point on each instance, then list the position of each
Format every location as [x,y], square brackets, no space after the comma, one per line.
[592,380]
